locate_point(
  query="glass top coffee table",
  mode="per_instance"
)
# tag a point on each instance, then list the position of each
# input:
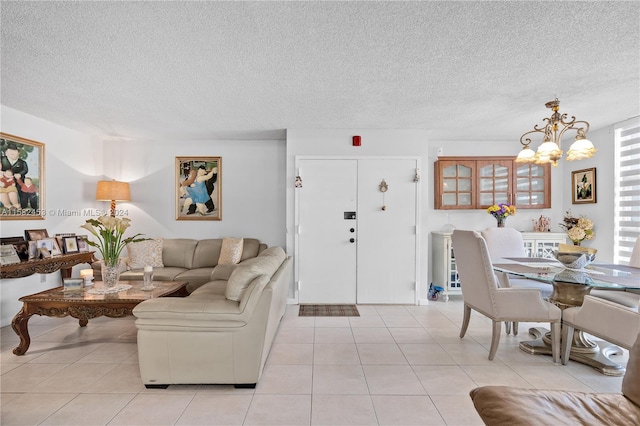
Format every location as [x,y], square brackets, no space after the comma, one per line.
[84,306]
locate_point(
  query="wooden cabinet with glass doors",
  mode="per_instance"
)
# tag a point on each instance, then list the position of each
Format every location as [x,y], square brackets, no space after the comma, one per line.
[479,182]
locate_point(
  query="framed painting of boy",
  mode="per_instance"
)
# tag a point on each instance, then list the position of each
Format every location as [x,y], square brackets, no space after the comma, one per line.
[198,188]
[21,179]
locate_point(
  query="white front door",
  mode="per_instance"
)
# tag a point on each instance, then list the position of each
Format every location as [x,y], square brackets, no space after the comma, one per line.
[370,258]
[326,254]
[387,231]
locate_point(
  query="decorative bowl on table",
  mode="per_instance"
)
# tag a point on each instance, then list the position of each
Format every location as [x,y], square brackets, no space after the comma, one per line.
[574,260]
[574,277]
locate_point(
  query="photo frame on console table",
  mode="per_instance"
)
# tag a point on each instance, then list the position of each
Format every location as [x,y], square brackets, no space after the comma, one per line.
[22,189]
[198,186]
[35,234]
[70,245]
[583,186]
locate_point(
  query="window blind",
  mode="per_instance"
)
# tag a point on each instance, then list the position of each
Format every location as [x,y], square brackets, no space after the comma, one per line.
[627,191]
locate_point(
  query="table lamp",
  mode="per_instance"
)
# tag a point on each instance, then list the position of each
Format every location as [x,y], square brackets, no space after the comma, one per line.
[112,190]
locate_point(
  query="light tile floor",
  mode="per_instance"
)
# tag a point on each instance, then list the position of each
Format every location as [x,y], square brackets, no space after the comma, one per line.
[393,365]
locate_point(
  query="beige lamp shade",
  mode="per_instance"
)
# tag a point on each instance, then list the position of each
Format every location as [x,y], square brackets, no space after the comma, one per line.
[109,190]
[112,190]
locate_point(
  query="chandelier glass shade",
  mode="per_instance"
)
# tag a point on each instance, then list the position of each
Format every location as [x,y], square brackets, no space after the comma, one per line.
[550,150]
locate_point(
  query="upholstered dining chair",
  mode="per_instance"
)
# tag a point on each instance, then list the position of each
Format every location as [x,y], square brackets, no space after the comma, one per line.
[480,292]
[601,318]
[508,242]
[630,298]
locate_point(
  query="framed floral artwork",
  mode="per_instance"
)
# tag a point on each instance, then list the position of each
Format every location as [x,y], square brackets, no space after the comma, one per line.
[583,186]
[22,178]
[198,188]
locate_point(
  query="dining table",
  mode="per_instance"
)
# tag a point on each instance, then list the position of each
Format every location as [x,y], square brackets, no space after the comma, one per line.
[569,287]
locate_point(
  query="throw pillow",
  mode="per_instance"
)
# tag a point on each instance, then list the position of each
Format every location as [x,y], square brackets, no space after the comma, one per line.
[231,251]
[143,253]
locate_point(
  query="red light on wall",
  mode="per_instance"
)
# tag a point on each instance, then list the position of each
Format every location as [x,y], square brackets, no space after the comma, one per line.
[357,141]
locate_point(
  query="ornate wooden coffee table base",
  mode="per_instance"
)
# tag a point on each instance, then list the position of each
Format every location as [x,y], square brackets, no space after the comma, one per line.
[84,306]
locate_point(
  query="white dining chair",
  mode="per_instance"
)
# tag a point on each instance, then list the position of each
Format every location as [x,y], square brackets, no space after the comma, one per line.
[480,292]
[629,298]
[601,318]
[508,242]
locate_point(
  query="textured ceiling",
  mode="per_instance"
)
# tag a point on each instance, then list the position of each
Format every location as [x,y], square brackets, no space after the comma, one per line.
[211,70]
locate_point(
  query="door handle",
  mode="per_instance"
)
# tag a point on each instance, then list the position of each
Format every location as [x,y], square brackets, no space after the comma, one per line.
[352,240]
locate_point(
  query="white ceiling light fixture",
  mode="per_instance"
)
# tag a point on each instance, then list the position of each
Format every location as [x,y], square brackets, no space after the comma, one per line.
[550,150]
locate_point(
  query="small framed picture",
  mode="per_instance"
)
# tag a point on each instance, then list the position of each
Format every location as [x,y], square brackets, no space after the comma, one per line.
[35,234]
[83,246]
[44,252]
[22,248]
[72,284]
[19,243]
[51,244]
[583,186]
[8,255]
[34,253]
[60,239]
[70,245]
[56,250]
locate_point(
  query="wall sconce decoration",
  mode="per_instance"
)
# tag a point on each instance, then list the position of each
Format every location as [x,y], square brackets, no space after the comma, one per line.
[112,190]
[383,188]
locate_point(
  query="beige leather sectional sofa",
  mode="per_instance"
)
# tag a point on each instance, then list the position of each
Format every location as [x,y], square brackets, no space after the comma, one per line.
[186,260]
[222,332]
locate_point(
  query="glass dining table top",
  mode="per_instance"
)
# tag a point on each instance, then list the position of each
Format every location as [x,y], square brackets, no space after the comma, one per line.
[600,275]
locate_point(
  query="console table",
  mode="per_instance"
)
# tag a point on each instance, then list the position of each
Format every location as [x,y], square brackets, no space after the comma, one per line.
[63,263]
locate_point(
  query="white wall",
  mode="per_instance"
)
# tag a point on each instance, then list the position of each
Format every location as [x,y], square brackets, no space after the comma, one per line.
[601,212]
[375,143]
[72,165]
[252,182]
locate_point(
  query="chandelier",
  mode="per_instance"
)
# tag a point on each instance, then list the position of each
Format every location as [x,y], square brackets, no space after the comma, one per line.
[550,150]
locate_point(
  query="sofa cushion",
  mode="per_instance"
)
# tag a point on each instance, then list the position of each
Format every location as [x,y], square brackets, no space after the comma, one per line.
[231,251]
[248,270]
[143,253]
[195,277]
[222,272]
[179,252]
[250,248]
[214,290]
[160,274]
[207,253]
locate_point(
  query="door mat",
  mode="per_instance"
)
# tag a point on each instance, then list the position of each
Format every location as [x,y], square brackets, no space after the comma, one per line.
[328,311]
